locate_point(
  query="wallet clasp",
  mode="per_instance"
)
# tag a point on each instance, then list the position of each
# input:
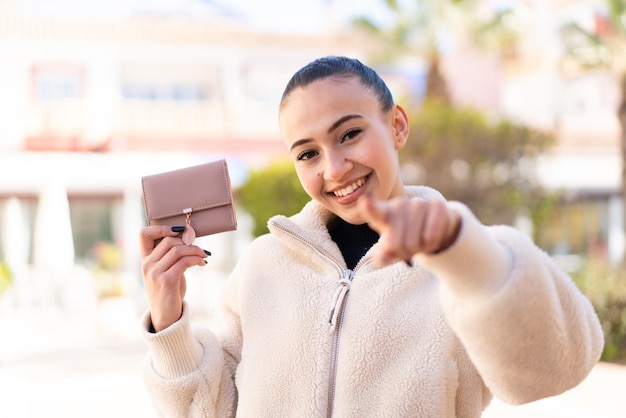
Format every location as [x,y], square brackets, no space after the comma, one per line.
[190,234]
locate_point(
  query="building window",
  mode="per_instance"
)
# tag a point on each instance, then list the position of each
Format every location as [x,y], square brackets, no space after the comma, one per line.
[57,81]
[163,92]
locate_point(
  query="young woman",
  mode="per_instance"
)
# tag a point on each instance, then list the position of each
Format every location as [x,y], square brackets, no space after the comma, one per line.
[376,300]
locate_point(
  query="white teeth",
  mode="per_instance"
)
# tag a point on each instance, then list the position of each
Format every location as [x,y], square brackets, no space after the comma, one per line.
[347,190]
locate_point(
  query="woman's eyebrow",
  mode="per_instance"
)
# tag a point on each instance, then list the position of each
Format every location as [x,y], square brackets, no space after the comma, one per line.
[342,120]
[332,127]
[300,142]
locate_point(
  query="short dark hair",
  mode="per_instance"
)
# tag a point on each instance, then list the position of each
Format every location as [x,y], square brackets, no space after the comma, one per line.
[338,66]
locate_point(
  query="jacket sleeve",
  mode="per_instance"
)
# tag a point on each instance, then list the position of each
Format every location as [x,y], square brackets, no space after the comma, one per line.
[188,373]
[528,330]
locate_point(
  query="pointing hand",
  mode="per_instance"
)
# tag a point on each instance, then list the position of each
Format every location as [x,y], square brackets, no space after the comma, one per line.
[410,226]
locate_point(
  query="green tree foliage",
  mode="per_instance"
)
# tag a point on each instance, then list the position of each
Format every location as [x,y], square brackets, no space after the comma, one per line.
[606,288]
[485,164]
[271,191]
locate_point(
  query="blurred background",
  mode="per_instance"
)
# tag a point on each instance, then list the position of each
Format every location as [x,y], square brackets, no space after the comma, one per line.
[517,108]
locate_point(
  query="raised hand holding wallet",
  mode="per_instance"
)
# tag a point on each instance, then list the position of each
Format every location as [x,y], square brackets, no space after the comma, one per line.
[198,197]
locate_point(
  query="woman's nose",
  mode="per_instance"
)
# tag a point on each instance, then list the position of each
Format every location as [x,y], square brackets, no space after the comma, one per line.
[336,167]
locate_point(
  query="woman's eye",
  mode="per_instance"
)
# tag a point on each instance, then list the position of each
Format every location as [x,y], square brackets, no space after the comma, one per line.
[350,134]
[306,155]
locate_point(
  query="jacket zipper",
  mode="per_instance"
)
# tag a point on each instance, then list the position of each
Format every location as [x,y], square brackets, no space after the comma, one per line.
[336,310]
[336,317]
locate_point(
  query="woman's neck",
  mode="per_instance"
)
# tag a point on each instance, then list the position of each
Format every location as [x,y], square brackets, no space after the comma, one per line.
[353,240]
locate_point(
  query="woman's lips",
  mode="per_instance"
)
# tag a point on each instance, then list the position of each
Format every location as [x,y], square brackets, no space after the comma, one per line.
[346,194]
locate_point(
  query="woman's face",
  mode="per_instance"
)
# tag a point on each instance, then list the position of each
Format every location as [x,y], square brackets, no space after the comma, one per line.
[343,145]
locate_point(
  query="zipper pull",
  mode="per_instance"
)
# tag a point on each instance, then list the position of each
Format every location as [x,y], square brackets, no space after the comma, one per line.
[339,297]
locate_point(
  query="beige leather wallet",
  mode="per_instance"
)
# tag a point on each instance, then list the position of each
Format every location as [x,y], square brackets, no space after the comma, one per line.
[198,197]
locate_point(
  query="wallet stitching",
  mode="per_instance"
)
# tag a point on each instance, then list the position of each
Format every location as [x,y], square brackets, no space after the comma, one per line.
[199,208]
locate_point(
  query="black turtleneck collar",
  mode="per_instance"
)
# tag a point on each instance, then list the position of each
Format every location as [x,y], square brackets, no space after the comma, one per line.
[353,240]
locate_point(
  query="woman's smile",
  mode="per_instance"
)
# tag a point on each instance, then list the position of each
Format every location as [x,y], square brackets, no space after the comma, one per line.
[349,193]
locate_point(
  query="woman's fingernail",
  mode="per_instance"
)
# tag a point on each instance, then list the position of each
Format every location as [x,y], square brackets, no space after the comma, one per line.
[409,263]
[205,262]
[207,252]
[178,228]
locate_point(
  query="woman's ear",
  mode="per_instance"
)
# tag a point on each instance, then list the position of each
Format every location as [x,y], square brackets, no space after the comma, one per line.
[400,126]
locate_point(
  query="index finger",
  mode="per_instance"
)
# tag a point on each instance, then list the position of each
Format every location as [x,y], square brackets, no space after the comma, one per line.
[150,234]
[375,213]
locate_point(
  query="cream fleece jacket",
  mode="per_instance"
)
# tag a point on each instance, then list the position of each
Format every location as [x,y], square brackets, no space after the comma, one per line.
[493,314]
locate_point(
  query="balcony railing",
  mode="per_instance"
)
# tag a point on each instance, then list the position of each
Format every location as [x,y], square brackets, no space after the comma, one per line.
[78,125]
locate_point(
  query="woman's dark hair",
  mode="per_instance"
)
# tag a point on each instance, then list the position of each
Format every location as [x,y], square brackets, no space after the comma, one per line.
[335,66]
